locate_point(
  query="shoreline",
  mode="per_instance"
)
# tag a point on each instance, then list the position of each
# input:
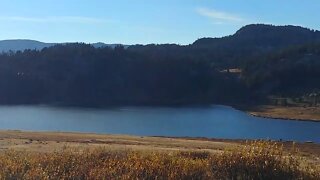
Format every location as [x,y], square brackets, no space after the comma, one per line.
[70,136]
[255,114]
[55,141]
[288,113]
[49,142]
[53,151]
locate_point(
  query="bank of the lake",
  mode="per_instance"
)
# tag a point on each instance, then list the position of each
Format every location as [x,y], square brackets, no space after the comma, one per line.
[52,141]
[29,155]
[58,141]
[295,113]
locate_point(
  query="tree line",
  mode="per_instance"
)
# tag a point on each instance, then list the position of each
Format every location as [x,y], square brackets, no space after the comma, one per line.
[272,61]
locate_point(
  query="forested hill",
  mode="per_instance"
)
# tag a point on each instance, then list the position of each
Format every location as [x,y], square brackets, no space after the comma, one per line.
[229,51]
[79,74]
[289,72]
[169,74]
[262,37]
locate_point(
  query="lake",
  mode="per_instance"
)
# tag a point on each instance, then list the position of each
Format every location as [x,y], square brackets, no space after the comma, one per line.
[210,121]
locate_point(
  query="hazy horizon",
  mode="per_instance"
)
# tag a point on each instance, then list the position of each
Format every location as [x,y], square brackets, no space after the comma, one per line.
[145,22]
[18,39]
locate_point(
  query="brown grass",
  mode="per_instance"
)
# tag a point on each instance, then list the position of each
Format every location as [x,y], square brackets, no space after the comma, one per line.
[283,112]
[257,160]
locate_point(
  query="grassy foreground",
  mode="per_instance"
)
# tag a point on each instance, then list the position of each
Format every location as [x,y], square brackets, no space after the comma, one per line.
[256,160]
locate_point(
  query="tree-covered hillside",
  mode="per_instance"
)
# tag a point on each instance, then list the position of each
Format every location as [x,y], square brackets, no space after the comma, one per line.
[289,72]
[270,60]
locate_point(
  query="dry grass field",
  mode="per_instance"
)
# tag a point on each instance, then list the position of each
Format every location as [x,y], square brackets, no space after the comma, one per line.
[53,155]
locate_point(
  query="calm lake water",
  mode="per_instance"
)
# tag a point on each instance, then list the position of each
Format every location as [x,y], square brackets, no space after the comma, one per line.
[211,121]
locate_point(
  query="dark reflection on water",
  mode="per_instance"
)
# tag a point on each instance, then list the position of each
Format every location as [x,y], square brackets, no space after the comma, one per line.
[213,121]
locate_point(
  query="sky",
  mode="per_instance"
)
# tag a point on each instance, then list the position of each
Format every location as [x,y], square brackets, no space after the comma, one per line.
[146,21]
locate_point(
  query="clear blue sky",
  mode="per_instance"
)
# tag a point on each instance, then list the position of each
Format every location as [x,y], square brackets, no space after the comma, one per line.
[146,21]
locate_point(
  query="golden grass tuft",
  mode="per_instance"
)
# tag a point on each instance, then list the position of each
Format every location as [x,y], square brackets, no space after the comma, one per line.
[257,160]
[262,160]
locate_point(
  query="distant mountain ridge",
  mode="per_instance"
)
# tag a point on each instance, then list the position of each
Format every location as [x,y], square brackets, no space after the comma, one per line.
[23,44]
[263,36]
[229,51]
[260,37]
